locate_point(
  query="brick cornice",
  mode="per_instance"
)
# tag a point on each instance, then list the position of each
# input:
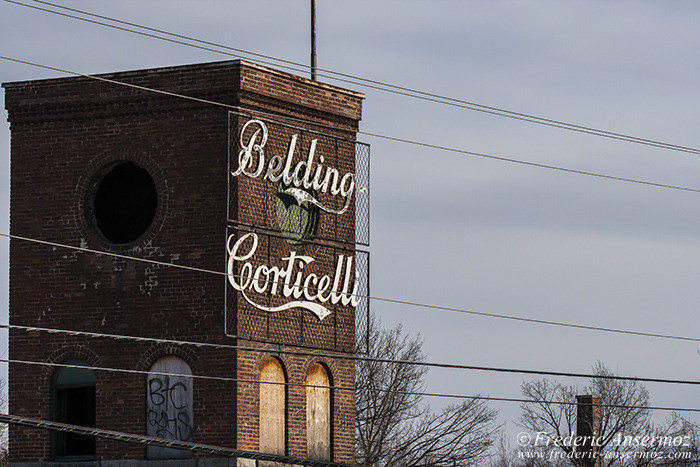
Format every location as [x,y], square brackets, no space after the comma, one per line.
[232,83]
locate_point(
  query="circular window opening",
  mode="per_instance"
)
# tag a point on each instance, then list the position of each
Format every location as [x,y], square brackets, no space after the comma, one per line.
[124,202]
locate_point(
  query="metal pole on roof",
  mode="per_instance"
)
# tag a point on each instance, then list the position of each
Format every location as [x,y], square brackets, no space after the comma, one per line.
[313,40]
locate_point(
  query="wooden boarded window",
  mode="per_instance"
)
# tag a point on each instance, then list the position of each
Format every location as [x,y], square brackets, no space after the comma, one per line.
[272,407]
[169,406]
[318,414]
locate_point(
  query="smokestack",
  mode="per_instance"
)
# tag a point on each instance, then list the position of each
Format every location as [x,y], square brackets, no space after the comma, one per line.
[588,426]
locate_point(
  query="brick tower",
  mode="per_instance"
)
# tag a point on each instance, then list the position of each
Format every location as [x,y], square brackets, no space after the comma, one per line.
[265,192]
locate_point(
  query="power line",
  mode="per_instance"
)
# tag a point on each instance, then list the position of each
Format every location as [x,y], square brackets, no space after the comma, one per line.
[624,137]
[528,163]
[389,391]
[381,299]
[342,388]
[357,80]
[377,298]
[375,135]
[179,375]
[597,328]
[166,443]
[340,356]
[383,360]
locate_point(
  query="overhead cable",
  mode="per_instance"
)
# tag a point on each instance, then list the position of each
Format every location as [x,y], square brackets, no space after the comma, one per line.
[349,78]
[381,299]
[567,374]
[161,373]
[166,443]
[280,350]
[383,390]
[338,356]
[375,135]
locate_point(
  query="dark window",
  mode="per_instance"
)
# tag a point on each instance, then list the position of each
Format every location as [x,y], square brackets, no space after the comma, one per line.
[124,202]
[73,402]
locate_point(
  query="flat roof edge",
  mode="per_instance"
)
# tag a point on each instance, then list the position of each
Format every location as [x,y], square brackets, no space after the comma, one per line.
[175,68]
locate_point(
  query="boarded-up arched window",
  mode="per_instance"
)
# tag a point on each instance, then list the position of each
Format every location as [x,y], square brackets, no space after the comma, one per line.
[318,413]
[169,406]
[272,407]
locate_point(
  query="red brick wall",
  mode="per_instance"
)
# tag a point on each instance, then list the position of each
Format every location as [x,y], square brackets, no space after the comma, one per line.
[63,132]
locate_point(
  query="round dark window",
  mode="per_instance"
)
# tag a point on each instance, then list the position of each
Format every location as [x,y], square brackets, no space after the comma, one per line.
[123,202]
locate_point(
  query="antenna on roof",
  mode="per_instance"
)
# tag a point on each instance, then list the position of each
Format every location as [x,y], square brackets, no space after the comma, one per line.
[313,40]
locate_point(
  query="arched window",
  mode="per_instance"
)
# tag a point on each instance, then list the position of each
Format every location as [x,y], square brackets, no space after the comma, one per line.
[318,413]
[169,406]
[273,406]
[73,402]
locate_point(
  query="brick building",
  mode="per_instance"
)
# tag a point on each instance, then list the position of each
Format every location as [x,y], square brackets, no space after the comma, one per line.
[268,192]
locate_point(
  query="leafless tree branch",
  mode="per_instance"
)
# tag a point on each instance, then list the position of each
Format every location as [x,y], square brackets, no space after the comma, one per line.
[396,429]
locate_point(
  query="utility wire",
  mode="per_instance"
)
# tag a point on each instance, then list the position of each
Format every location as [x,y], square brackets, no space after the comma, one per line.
[179,375]
[389,391]
[380,360]
[375,135]
[389,300]
[343,388]
[381,299]
[166,443]
[353,79]
[338,356]
[528,163]
[451,101]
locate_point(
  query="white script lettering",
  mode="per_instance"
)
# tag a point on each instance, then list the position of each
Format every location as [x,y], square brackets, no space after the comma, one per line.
[289,279]
[301,178]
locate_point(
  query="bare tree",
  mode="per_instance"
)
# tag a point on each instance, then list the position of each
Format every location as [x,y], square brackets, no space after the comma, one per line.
[677,443]
[395,427]
[505,455]
[624,423]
